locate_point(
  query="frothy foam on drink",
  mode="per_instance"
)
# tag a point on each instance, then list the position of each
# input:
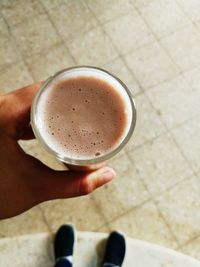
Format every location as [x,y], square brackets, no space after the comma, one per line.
[83,115]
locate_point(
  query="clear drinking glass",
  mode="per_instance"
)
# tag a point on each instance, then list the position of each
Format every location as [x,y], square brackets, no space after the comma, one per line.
[35,115]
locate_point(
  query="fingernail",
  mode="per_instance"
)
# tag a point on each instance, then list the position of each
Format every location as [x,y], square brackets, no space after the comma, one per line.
[107,174]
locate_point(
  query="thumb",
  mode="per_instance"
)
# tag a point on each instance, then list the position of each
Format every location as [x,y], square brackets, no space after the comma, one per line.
[66,184]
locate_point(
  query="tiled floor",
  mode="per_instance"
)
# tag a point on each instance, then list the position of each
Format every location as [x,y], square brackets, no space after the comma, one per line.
[154,47]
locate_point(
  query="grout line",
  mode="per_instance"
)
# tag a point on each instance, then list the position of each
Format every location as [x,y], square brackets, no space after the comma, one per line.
[188,242]
[101,26]
[128,211]
[99,211]
[176,68]
[45,219]
[57,32]
[187,14]
[169,130]
[168,188]
[152,198]
[158,39]
[16,44]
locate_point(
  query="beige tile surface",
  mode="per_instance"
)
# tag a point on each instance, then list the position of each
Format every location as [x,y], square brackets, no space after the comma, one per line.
[163,17]
[193,78]
[191,8]
[183,47]
[175,100]
[151,65]
[106,10]
[192,248]
[17,11]
[122,194]
[31,221]
[14,76]
[145,223]
[180,207]
[35,35]
[187,137]
[160,164]
[82,212]
[3,27]
[73,16]
[9,52]
[148,124]
[119,69]
[48,4]
[50,61]
[92,48]
[136,34]
[31,250]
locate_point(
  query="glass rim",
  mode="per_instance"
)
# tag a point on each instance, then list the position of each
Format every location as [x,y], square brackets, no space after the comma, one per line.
[74,161]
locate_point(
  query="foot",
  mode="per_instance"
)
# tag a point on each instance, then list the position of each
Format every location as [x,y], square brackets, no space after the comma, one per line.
[115,249]
[64,242]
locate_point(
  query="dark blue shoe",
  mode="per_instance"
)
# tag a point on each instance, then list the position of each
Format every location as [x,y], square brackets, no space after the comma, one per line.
[115,250]
[64,242]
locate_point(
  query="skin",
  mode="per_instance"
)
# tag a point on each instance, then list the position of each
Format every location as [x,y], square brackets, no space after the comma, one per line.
[24,180]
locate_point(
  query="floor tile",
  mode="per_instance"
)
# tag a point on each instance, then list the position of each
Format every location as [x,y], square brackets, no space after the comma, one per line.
[151,65]
[122,194]
[193,77]
[29,251]
[3,27]
[92,48]
[191,8]
[48,4]
[119,69]
[29,222]
[9,51]
[187,137]
[176,101]
[104,229]
[148,123]
[82,212]
[163,17]
[35,35]
[180,207]
[145,223]
[15,76]
[72,19]
[183,47]
[106,10]
[136,36]
[49,62]
[192,249]
[160,164]
[17,11]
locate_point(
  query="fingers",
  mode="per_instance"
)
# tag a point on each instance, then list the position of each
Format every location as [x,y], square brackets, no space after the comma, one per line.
[50,184]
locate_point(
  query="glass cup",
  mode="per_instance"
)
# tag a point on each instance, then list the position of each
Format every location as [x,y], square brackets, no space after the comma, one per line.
[96,162]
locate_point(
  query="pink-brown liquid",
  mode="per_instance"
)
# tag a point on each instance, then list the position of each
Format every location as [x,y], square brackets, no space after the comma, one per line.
[83,117]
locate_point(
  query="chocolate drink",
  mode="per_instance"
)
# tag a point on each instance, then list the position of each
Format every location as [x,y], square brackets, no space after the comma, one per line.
[83,115]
